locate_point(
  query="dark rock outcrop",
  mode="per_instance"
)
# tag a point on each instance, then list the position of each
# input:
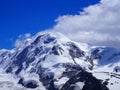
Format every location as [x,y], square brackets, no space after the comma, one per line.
[90,82]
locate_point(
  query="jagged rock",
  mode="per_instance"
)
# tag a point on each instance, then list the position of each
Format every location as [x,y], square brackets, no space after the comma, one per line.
[88,80]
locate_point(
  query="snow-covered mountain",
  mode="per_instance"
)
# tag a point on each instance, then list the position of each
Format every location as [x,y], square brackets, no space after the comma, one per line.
[51,61]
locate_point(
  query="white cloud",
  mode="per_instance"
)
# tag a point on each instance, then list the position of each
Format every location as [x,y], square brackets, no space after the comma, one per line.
[98,24]
[27,35]
[22,38]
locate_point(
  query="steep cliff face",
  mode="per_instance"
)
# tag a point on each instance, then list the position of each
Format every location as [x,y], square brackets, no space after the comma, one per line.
[50,60]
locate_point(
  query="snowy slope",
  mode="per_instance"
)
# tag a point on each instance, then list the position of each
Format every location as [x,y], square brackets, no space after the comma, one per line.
[49,59]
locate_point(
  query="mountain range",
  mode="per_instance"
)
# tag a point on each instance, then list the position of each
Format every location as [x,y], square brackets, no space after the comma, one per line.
[51,61]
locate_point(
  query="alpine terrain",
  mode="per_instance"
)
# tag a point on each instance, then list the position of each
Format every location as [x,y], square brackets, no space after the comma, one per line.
[51,61]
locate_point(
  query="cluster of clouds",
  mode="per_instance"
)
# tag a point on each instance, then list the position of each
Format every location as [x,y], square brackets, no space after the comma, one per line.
[21,39]
[97,24]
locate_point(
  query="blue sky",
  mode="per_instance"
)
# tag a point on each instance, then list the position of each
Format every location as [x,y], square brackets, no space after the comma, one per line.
[30,16]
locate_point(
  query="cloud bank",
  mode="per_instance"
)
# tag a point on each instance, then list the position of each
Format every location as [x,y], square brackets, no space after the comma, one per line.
[97,24]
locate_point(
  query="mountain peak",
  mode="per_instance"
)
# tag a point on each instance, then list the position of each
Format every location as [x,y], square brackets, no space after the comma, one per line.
[43,38]
[47,37]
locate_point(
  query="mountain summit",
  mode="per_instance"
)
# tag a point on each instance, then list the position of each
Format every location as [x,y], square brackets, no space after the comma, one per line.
[51,61]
